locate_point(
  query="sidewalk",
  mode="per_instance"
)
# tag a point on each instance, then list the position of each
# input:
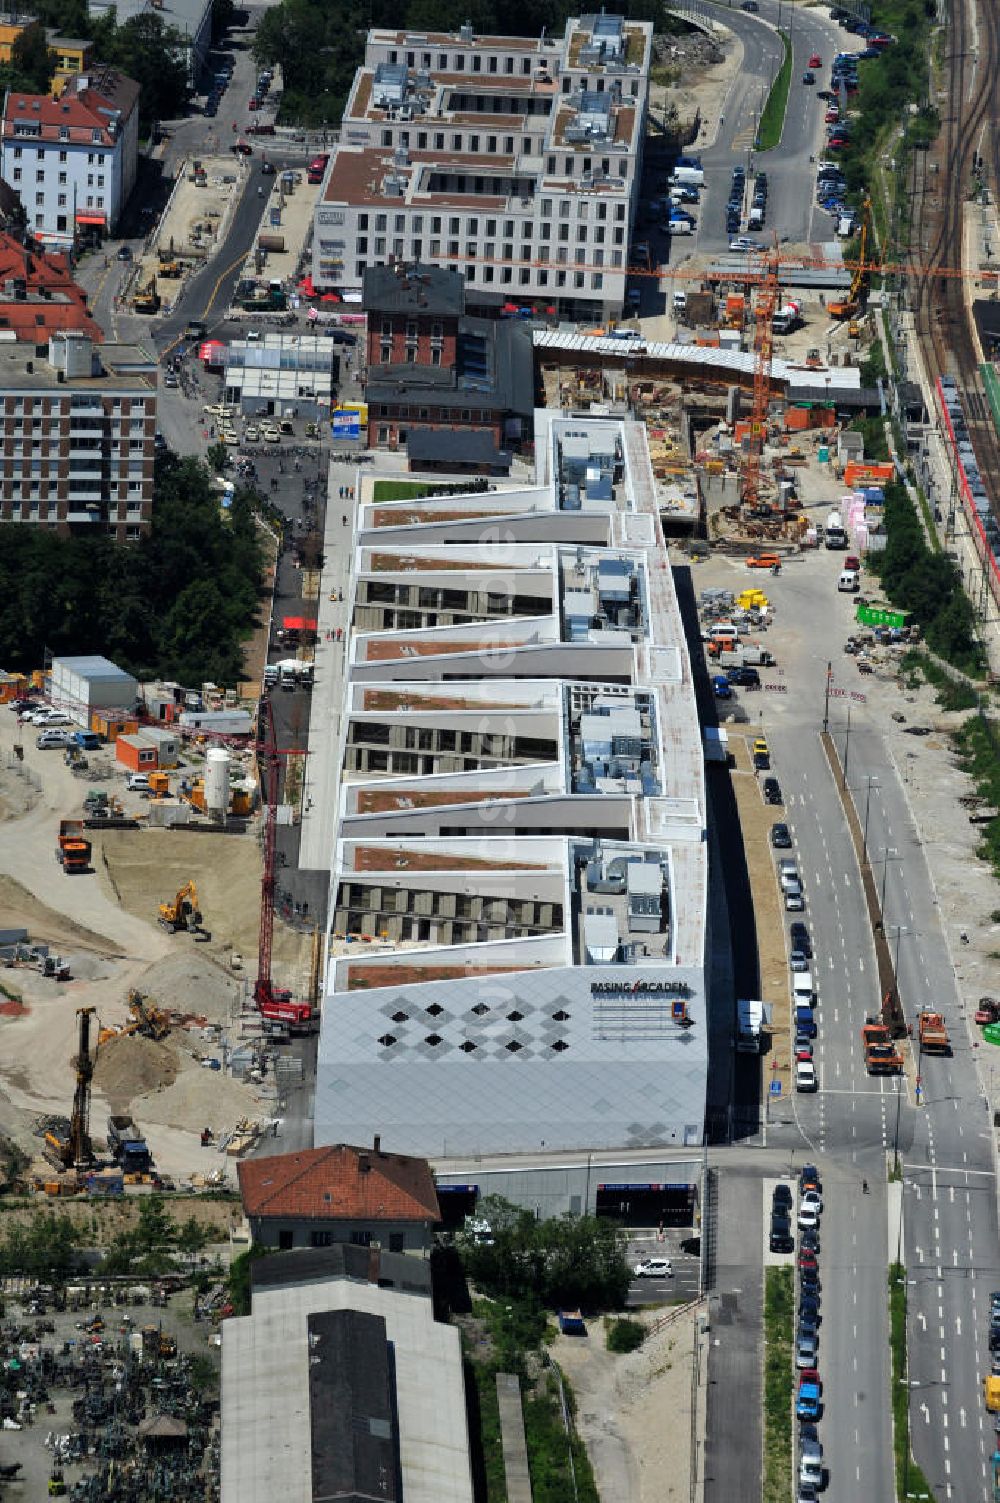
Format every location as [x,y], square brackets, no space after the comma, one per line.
[326,719]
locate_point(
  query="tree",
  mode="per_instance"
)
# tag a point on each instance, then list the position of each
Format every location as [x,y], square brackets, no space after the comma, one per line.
[31,61]
[153,54]
[567,1260]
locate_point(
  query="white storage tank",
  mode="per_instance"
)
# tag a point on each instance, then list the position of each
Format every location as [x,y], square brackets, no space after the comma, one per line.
[217,782]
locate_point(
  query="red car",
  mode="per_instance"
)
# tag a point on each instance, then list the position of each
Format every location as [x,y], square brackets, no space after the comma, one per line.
[810,1375]
[807,1258]
[243,148]
[852,561]
[832,115]
[815,61]
[254,104]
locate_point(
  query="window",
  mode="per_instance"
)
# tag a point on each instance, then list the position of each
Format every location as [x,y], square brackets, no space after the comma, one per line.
[493,65]
[39,199]
[321,1239]
[477,62]
[456,143]
[380,222]
[62,179]
[63,136]
[362,221]
[473,143]
[397,1242]
[439,140]
[459,63]
[62,200]
[361,1239]
[435,357]
[63,156]
[508,65]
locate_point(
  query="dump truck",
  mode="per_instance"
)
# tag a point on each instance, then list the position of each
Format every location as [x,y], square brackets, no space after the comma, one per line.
[72,848]
[933,1034]
[881,1054]
[128,1146]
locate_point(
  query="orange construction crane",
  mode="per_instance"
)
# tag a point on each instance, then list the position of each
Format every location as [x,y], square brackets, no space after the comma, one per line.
[763,344]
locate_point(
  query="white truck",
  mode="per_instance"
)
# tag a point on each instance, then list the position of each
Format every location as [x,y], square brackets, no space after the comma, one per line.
[749,1025]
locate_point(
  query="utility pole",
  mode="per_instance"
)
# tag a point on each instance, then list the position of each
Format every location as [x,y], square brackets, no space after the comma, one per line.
[847,744]
[868,798]
[826,702]
[889,854]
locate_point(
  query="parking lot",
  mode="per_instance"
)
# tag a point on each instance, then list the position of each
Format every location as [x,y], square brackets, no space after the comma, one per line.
[681,1246]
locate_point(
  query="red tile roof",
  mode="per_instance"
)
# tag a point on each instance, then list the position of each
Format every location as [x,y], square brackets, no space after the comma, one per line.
[337,1184]
[51,300]
[88,103]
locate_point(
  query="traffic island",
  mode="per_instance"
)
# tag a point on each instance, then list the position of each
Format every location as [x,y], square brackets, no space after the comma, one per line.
[910,1480]
[779,1318]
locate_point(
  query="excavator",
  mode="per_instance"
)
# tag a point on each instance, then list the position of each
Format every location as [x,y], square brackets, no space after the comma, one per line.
[72,1148]
[145,1019]
[183,912]
[850,307]
[147,299]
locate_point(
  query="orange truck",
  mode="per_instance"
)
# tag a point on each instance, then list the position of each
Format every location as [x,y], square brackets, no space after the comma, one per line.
[881,1054]
[933,1034]
[73,849]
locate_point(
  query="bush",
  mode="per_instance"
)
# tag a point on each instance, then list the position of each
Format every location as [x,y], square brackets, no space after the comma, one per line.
[623,1335]
[568,1261]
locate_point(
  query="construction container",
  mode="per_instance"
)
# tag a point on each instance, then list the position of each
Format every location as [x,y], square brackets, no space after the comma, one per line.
[135,753]
[84,684]
[859,473]
[112,724]
[12,686]
[166,743]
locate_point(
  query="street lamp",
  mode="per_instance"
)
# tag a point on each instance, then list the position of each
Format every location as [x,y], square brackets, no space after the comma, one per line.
[889,854]
[872,778]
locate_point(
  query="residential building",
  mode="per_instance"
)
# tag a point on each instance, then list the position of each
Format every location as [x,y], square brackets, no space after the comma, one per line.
[12,28]
[38,296]
[192,18]
[324,1196]
[432,368]
[518,950]
[71,56]
[73,159]
[77,429]
[516,161]
[341,1384]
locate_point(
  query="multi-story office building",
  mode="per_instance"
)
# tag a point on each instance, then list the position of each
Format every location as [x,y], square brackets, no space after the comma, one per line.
[518,946]
[516,161]
[73,159]
[77,430]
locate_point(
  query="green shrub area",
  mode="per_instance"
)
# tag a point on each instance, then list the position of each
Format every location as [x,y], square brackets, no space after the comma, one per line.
[978,744]
[772,120]
[624,1335]
[507,1337]
[568,1262]
[178,604]
[925,584]
[779,1315]
[910,1480]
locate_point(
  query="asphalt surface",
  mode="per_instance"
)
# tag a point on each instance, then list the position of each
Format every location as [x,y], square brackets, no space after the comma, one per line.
[792,214]
[855,1123]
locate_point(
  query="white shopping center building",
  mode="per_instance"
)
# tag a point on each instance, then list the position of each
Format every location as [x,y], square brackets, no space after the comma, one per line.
[517,946]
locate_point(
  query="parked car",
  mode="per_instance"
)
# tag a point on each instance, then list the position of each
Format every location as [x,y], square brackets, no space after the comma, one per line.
[811,1197]
[809,1178]
[772,791]
[137,782]
[781,837]
[780,1239]
[808,76]
[47,739]
[781,1195]
[799,936]
[805,1080]
[806,1351]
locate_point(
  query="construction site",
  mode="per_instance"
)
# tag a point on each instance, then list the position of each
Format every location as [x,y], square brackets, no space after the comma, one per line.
[136,982]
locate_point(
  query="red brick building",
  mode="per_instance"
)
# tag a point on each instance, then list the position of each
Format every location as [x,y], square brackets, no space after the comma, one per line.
[431,367]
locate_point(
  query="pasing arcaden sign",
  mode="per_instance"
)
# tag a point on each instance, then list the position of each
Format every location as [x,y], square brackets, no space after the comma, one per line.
[639,988]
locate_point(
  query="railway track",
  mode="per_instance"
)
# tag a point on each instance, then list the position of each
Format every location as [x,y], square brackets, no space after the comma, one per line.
[943,323]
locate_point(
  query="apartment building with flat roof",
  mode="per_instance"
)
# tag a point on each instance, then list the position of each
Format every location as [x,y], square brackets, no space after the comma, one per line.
[514,160]
[517,953]
[77,430]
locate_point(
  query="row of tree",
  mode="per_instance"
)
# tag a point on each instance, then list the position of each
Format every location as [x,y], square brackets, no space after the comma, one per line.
[177,605]
[48,1246]
[319,45]
[925,583]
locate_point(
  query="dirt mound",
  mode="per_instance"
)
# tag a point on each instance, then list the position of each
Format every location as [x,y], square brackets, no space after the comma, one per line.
[191,983]
[131,1066]
[20,909]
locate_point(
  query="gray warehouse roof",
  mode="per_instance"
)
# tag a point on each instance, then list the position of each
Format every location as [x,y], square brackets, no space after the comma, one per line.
[94,667]
[267,1432]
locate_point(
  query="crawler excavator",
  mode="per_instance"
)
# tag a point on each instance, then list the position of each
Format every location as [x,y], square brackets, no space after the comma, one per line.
[183,912]
[72,1148]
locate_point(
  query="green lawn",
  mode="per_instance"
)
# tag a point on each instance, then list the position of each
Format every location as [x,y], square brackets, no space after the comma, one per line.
[399,490]
[910,1480]
[779,1314]
[772,121]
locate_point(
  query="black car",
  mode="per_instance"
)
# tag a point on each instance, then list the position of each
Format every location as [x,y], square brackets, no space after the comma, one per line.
[799,936]
[781,1240]
[808,1324]
[809,1239]
[267,169]
[781,1195]
[809,1178]
[781,837]
[995,1336]
[747,678]
[809,1281]
[772,790]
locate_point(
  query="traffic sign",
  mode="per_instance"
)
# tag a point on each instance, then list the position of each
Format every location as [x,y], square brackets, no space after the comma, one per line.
[775,1087]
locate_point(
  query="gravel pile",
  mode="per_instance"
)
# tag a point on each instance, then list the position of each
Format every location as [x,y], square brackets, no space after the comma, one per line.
[131,1066]
[191,983]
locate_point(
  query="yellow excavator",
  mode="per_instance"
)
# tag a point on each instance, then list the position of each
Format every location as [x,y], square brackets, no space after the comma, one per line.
[147,299]
[183,912]
[144,1019]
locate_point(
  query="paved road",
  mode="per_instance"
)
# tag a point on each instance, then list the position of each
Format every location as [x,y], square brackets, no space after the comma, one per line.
[792,213]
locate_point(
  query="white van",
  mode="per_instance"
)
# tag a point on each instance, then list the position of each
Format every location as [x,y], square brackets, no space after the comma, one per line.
[724,631]
[848,582]
[802,988]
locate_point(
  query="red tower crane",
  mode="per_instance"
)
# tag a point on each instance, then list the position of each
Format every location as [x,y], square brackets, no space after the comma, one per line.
[275,1005]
